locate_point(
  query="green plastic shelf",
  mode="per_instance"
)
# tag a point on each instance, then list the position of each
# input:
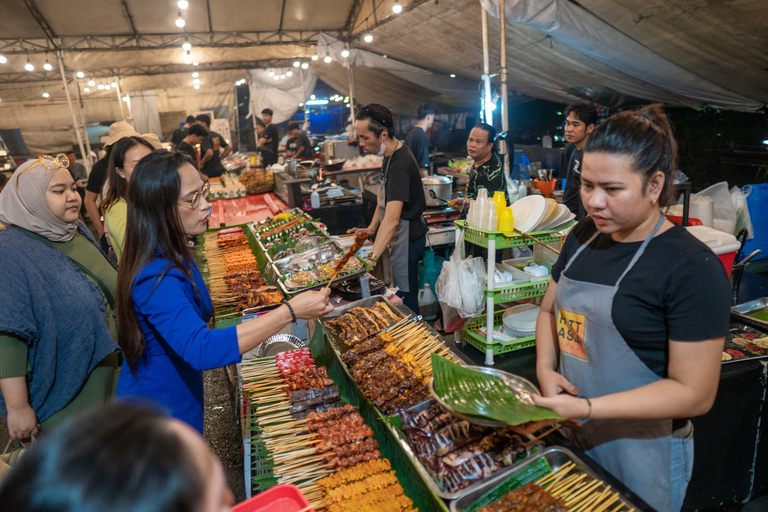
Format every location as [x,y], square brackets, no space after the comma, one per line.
[478,341]
[517,292]
[481,237]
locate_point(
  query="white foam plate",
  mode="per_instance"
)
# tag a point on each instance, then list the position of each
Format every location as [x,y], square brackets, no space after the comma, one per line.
[528,212]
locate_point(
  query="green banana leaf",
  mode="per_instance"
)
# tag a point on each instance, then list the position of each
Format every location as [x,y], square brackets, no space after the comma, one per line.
[474,393]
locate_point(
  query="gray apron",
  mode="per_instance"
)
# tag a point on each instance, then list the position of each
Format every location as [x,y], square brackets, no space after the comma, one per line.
[398,244]
[596,359]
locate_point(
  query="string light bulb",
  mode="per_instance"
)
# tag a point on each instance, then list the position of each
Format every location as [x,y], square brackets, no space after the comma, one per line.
[125,99]
[187,57]
[80,74]
[114,85]
[3,60]
[107,87]
[91,83]
[47,66]
[282,77]
[196,86]
[288,73]
[315,57]
[328,59]
[100,87]
[397,8]
[87,89]
[296,63]
[183,4]
[271,73]
[180,21]
[196,81]
[304,65]
[28,66]
[368,38]
[45,95]
[345,53]
[195,74]
[186,46]
[195,63]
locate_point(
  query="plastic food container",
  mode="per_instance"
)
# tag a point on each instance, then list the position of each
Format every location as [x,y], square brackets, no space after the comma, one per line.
[518,276]
[281,498]
[724,245]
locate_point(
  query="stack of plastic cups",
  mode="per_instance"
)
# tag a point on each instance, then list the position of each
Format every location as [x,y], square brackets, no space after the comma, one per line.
[490,219]
[481,207]
[500,200]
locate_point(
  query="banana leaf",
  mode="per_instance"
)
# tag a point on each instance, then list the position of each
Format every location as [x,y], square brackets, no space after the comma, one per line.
[474,393]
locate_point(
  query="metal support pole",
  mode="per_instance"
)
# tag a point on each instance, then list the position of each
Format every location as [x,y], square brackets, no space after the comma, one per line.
[119,98]
[351,85]
[69,101]
[86,158]
[304,100]
[487,105]
[504,93]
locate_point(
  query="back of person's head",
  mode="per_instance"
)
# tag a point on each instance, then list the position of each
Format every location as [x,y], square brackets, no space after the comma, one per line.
[197,130]
[644,135]
[379,119]
[425,110]
[118,186]
[268,111]
[3,180]
[190,120]
[490,130]
[204,118]
[71,157]
[584,112]
[294,127]
[153,224]
[121,459]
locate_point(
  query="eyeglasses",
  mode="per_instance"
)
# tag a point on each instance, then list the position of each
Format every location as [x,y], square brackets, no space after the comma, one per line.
[200,194]
[49,162]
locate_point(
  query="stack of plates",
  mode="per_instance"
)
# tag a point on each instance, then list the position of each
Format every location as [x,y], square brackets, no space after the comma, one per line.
[520,321]
[536,213]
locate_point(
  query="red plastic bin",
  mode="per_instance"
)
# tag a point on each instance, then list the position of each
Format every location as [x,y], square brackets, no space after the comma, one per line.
[281,498]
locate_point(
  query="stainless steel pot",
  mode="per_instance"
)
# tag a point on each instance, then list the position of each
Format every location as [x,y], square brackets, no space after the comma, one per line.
[440,186]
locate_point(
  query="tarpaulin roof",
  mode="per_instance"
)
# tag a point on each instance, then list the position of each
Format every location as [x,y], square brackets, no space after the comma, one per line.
[683,52]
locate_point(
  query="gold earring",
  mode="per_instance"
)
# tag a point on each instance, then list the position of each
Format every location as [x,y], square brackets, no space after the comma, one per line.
[654,202]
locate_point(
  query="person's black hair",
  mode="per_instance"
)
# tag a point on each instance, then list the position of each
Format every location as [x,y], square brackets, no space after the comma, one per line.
[118,187]
[585,112]
[121,458]
[197,129]
[379,118]
[3,180]
[425,110]
[204,118]
[268,111]
[294,126]
[490,130]
[153,230]
[259,122]
[645,135]
[190,120]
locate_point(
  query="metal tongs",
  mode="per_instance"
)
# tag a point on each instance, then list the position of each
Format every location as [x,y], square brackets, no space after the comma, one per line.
[738,270]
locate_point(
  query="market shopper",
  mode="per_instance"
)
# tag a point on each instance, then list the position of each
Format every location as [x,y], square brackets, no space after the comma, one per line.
[163,304]
[80,175]
[182,131]
[213,149]
[487,169]
[398,223]
[298,146]
[120,458]
[57,333]
[630,332]
[265,148]
[195,135]
[417,139]
[580,121]
[271,138]
[123,158]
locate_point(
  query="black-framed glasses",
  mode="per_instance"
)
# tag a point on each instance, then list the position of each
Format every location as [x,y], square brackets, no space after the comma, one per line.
[49,162]
[200,194]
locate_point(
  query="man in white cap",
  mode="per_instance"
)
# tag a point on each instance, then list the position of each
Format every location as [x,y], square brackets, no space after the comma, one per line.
[96,179]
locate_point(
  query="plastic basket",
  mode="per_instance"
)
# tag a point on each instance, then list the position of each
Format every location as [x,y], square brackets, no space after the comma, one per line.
[481,237]
[479,341]
[281,498]
[518,292]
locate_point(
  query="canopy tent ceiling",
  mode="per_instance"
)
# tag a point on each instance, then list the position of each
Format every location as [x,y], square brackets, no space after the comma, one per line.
[724,45]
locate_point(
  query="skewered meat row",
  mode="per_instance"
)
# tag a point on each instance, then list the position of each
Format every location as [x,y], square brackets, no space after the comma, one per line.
[345,436]
[348,450]
[355,355]
[311,378]
[355,474]
[304,402]
[354,419]
[345,462]
[232,240]
[358,323]
[528,498]
[391,383]
[389,499]
[283,227]
[332,414]
[362,487]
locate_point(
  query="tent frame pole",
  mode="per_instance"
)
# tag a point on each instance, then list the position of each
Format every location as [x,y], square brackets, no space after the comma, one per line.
[487,105]
[304,100]
[69,101]
[351,85]
[119,97]
[80,108]
[503,149]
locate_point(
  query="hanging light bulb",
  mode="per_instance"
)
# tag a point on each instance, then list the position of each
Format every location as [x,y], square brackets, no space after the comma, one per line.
[345,53]
[28,66]
[186,46]
[87,89]
[282,77]
[304,65]
[114,85]
[315,57]
[107,87]
[100,87]
[125,99]
[288,73]
[196,86]
[368,38]
[276,77]
[397,8]
[45,95]
[180,21]
[80,74]
[195,74]
[271,73]
[91,83]
[3,60]
[328,59]
[187,57]
[452,75]
[47,66]
[296,63]
[195,63]
[196,81]
[312,97]
[183,4]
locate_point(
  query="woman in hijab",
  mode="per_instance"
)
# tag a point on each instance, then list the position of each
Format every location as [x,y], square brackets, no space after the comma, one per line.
[57,331]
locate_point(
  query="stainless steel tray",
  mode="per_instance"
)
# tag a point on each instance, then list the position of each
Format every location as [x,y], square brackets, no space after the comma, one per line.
[742,311]
[523,389]
[555,456]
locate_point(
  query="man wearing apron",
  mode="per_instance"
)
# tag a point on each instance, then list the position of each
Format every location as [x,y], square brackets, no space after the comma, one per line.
[398,221]
[631,330]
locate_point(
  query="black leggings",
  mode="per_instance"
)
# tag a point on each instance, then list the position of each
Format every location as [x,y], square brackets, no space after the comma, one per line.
[415,250]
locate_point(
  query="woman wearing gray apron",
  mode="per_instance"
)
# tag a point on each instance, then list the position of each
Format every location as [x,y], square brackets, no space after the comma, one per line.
[398,221]
[630,333]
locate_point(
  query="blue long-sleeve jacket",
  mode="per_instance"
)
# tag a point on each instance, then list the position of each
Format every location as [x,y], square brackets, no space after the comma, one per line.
[179,344]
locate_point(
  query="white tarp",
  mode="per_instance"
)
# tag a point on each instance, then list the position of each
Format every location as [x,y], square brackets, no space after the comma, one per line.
[575,27]
[146,117]
[282,96]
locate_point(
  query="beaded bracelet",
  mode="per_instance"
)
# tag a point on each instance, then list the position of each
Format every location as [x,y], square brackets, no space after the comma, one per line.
[293,315]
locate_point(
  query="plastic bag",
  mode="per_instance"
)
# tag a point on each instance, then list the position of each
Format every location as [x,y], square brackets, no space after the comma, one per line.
[725,212]
[743,220]
[461,284]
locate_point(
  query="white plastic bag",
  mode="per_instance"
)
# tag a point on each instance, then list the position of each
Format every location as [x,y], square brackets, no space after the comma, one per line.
[743,220]
[461,284]
[725,212]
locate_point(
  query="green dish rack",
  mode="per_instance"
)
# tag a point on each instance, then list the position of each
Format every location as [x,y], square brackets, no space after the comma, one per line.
[479,341]
[481,237]
[517,292]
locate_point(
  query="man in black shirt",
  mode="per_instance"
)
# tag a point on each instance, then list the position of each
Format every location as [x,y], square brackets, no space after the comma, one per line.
[487,169]
[271,138]
[180,133]
[264,148]
[580,120]
[298,145]
[418,140]
[211,152]
[195,135]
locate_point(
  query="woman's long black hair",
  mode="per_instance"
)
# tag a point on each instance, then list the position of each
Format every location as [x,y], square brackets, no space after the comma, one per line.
[153,230]
[118,187]
[122,458]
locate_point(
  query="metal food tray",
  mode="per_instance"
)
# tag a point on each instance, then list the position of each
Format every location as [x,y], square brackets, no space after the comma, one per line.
[742,312]
[263,247]
[426,475]
[555,456]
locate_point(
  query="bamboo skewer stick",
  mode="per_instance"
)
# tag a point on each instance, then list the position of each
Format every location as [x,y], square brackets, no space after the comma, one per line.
[537,241]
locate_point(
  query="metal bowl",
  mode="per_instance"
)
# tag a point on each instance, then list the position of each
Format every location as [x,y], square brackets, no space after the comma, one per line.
[334,165]
[278,343]
[523,389]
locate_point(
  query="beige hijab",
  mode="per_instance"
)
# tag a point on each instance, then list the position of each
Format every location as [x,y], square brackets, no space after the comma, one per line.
[26,206]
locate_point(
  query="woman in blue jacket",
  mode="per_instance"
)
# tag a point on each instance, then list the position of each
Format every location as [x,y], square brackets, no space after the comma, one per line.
[163,306]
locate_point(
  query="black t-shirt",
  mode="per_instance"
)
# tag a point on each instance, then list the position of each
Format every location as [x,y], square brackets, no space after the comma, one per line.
[404,184]
[678,289]
[302,141]
[570,169]
[418,142]
[213,167]
[188,150]
[97,176]
[270,157]
[179,134]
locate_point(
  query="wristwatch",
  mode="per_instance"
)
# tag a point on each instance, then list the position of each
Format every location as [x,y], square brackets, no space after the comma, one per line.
[372,257]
